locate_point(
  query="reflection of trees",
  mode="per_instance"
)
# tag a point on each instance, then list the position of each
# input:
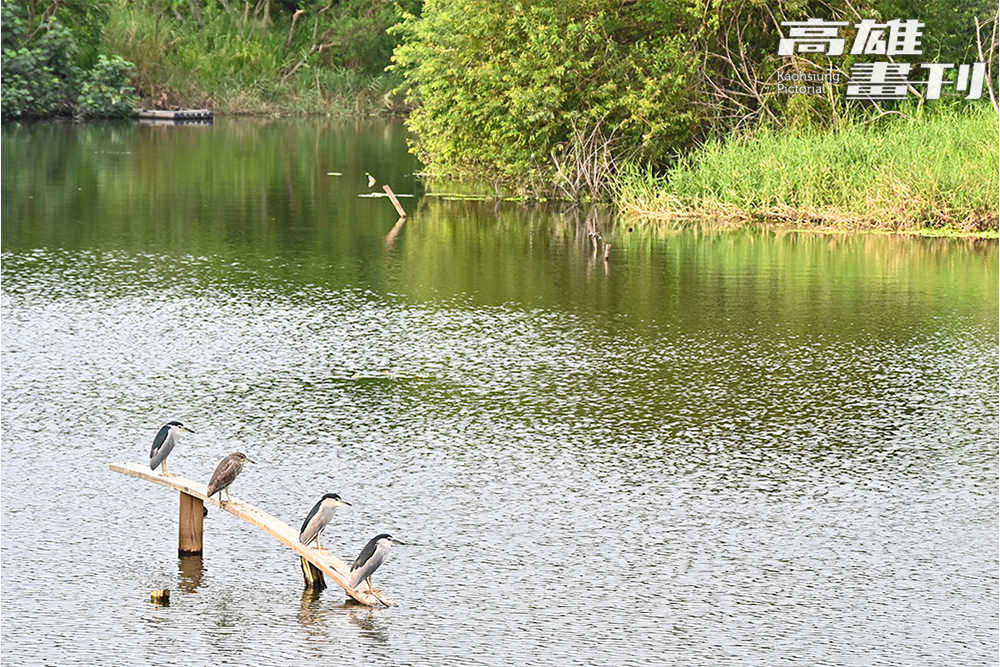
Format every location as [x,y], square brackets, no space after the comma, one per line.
[551,254]
[211,190]
[252,203]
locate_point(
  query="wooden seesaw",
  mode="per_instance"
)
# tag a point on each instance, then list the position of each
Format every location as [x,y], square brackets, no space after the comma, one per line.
[191,530]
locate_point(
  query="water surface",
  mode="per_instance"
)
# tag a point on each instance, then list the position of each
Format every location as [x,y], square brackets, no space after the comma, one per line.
[723,447]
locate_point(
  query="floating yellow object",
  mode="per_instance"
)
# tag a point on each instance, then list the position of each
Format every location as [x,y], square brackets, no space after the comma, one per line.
[160,596]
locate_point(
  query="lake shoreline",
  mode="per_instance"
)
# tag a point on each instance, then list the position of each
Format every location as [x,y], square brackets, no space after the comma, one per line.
[934,173]
[649,198]
[821,222]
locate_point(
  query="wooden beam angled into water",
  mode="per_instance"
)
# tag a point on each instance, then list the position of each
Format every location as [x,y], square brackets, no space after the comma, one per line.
[329,564]
[395,202]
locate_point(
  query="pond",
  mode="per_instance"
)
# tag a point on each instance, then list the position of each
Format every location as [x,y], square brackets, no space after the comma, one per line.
[720,447]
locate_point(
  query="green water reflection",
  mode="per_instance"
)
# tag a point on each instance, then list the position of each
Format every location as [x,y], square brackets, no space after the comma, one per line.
[282,201]
[717,447]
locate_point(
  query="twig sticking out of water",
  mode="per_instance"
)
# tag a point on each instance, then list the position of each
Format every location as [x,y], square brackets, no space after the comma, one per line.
[395,202]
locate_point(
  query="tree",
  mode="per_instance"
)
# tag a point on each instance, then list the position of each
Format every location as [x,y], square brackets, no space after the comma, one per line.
[540,94]
[552,94]
[47,65]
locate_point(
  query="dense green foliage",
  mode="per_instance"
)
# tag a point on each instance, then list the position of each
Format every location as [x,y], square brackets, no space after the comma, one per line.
[314,56]
[939,170]
[504,91]
[267,56]
[572,98]
[106,91]
[49,66]
[552,95]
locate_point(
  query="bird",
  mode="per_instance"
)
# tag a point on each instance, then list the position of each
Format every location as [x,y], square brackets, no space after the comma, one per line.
[164,443]
[371,180]
[373,555]
[319,518]
[225,474]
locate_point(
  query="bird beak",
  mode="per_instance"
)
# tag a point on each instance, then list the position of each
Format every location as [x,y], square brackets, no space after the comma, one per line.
[187,429]
[249,461]
[344,502]
[398,543]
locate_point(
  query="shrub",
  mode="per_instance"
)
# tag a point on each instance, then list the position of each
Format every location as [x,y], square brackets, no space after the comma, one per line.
[107,90]
[37,78]
[506,92]
[43,71]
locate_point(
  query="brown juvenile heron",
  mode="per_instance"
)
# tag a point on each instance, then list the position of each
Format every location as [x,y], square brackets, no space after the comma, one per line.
[164,443]
[225,474]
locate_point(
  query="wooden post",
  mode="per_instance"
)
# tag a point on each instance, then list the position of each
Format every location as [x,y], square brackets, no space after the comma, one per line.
[191,525]
[395,202]
[312,576]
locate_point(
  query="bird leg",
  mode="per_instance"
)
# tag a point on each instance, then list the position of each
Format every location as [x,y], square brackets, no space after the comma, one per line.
[384,602]
[318,547]
[375,593]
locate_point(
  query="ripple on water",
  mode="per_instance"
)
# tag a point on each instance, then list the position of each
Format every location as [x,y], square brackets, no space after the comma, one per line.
[570,492]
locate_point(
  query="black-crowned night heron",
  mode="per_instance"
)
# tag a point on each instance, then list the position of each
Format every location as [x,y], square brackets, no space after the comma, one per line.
[373,555]
[225,474]
[319,518]
[164,443]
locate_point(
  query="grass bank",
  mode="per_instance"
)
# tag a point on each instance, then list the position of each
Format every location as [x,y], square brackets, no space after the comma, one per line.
[934,173]
[242,63]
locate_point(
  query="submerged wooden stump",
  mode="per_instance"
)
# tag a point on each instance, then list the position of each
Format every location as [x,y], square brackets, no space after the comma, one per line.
[323,561]
[312,576]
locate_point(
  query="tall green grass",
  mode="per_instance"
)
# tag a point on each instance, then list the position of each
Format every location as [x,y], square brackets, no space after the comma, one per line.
[933,171]
[212,65]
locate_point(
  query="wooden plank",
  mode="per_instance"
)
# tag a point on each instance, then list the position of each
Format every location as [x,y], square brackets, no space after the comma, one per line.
[327,563]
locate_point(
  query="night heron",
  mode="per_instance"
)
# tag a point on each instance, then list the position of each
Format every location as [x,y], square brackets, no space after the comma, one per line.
[373,555]
[225,474]
[319,518]
[164,443]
